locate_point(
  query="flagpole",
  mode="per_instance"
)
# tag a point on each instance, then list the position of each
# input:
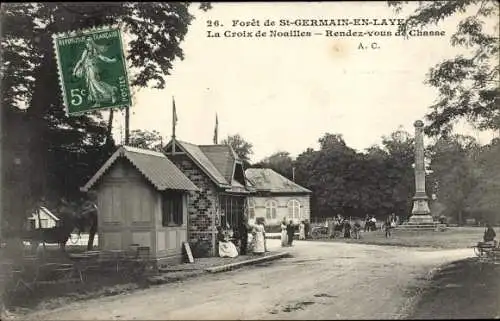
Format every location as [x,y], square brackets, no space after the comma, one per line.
[216,131]
[127,125]
[174,120]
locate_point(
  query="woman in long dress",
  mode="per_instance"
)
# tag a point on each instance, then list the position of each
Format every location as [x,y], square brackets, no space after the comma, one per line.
[87,67]
[226,247]
[284,237]
[260,238]
[302,231]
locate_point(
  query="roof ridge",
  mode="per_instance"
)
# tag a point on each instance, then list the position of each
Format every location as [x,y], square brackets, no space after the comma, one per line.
[136,159]
[213,145]
[259,174]
[204,168]
[144,151]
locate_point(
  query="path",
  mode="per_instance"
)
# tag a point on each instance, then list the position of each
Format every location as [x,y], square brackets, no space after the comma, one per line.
[321,281]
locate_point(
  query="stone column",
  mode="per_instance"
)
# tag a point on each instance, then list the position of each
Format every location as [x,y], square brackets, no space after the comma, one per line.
[421,213]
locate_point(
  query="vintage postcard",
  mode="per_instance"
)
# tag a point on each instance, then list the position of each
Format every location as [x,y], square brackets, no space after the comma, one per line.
[250,160]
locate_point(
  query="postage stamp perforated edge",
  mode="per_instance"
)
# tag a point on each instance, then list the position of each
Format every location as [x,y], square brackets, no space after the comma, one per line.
[73,33]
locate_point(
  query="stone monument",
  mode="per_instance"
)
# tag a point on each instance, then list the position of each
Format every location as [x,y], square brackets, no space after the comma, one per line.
[420,213]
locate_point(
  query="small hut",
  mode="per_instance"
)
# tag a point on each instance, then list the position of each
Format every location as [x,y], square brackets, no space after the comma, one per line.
[142,200]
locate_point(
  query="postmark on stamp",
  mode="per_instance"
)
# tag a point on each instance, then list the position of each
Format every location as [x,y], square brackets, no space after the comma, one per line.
[92,69]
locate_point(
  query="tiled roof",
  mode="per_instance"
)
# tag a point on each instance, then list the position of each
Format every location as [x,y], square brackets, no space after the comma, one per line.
[265,179]
[155,167]
[223,157]
[237,187]
[201,158]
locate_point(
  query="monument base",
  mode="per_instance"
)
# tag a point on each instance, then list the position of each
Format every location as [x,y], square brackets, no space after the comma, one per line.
[421,219]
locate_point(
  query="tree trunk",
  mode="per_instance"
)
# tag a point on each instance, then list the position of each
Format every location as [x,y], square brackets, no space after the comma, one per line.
[92,231]
[109,132]
[460,223]
[127,125]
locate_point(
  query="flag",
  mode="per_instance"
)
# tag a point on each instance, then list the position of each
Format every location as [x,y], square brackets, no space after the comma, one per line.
[174,117]
[216,130]
[175,113]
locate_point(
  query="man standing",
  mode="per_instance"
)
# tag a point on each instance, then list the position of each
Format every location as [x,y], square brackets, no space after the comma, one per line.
[367,223]
[244,228]
[373,223]
[290,230]
[331,226]
[388,226]
[307,227]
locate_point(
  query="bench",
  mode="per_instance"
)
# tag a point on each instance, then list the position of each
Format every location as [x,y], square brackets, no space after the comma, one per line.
[487,252]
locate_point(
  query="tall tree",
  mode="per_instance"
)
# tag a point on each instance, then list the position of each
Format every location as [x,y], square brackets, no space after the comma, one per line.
[468,83]
[483,201]
[454,171]
[331,173]
[242,148]
[64,151]
[146,139]
[400,147]
[280,162]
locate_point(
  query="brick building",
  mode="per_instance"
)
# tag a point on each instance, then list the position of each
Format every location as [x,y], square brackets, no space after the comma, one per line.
[223,189]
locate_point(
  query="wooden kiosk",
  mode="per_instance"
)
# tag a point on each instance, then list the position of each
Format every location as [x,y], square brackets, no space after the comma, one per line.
[142,201]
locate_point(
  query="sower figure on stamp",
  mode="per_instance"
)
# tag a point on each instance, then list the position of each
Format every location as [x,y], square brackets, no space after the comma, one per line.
[87,67]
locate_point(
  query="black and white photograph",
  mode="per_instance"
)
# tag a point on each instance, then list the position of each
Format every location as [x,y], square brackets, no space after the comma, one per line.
[250,160]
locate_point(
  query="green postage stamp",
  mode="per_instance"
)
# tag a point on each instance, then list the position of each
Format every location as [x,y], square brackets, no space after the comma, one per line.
[92,69]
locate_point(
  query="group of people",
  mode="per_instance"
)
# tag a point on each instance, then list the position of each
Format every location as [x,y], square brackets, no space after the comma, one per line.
[232,243]
[352,229]
[370,223]
[340,225]
[288,231]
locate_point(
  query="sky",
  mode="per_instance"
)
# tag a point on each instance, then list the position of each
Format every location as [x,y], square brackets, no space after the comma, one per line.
[283,94]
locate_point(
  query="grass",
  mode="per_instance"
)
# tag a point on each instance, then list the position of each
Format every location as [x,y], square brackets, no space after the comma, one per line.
[452,238]
[464,289]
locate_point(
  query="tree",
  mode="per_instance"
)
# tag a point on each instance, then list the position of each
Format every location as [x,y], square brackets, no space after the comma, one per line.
[331,174]
[146,139]
[483,202]
[280,162]
[454,171]
[467,84]
[62,152]
[331,141]
[400,148]
[242,148]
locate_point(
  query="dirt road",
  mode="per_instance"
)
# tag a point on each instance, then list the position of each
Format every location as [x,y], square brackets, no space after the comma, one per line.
[321,281]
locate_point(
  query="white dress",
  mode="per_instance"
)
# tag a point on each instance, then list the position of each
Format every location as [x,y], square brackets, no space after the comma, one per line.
[259,243]
[284,236]
[227,249]
[302,231]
